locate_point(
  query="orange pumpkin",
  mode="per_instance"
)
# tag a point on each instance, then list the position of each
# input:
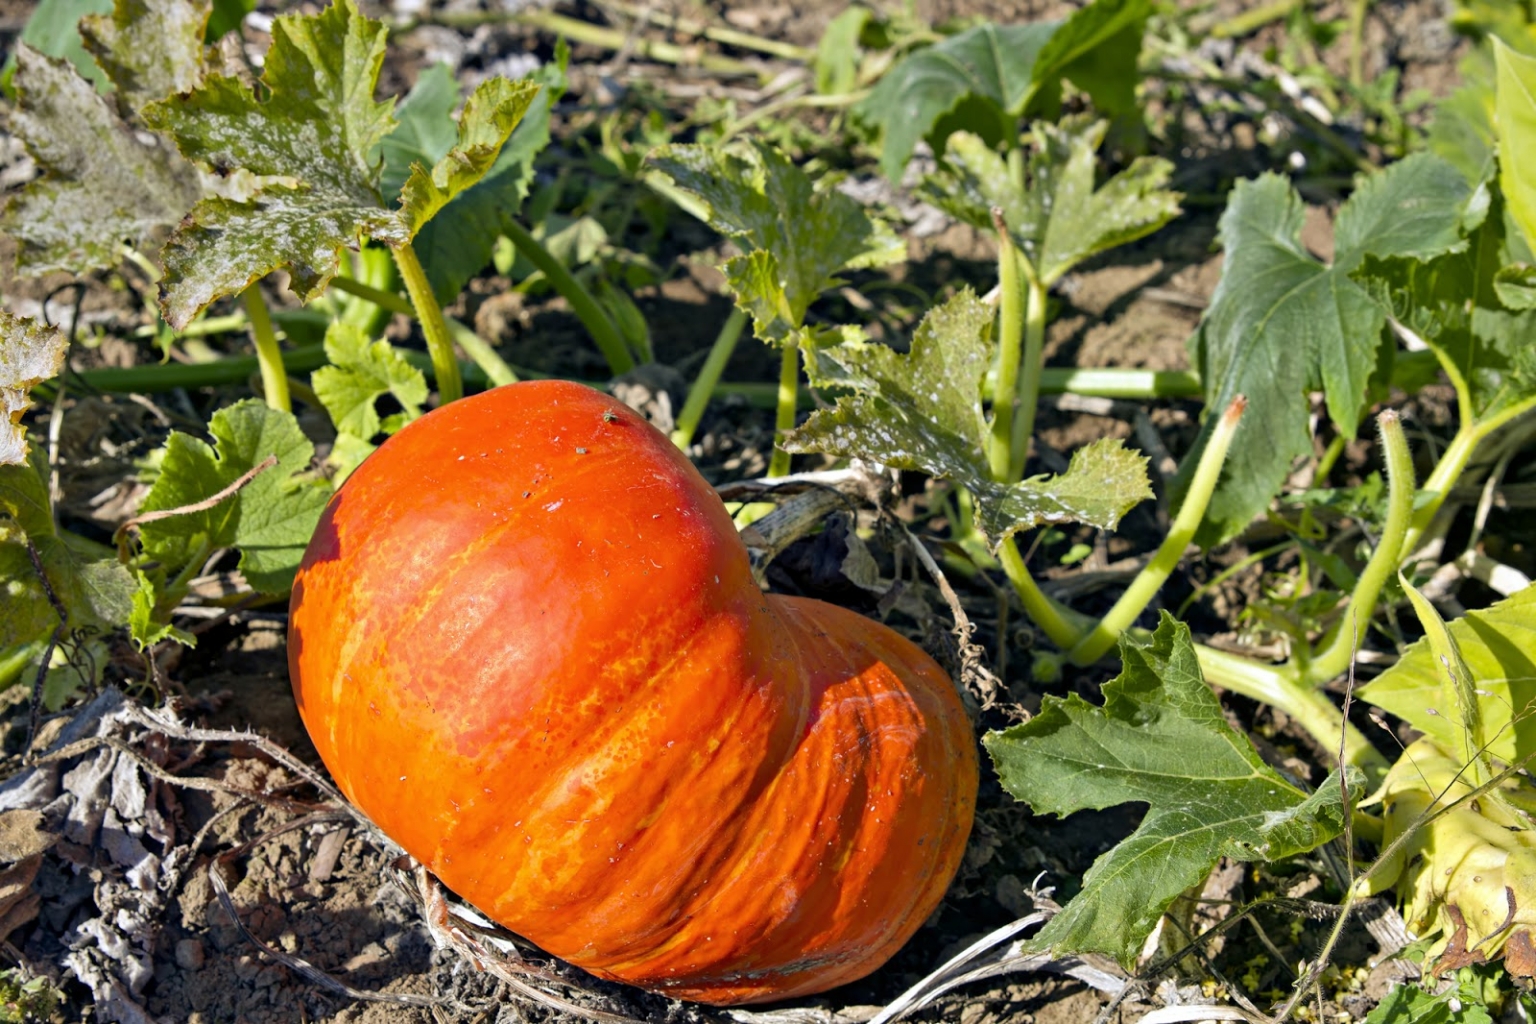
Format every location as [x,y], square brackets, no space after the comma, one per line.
[526,642]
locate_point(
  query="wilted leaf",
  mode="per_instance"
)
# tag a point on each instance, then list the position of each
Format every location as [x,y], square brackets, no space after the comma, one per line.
[1161,740]
[103,183]
[270,520]
[1057,218]
[923,411]
[995,73]
[149,48]
[1498,645]
[1282,324]
[30,353]
[770,205]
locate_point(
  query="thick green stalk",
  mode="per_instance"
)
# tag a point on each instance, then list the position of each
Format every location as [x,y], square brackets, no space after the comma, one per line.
[450,385]
[586,308]
[1335,653]
[269,354]
[1453,462]
[1278,686]
[1010,338]
[1029,377]
[1064,626]
[709,375]
[1151,578]
[789,393]
[497,370]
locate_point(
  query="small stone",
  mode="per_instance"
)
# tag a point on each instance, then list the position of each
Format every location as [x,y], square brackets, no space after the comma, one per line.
[189,954]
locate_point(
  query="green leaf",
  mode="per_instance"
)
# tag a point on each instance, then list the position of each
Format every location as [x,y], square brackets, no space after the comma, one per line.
[1057,218]
[1498,646]
[30,353]
[1462,686]
[314,132]
[1282,323]
[1515,286]
[103,183]
[52,30]
[923,411]
[1515,117]
[998,72]
[490,114]
[1462,132]
[150,49]
[837,54]
[1409,1004]
[360,373]
[227,17]
[457,244]
[1160,739]
[147,623]
[270,520]
[424,130]
[770,205]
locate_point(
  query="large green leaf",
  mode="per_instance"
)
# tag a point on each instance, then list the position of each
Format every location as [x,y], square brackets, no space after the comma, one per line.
[149,48]
[30,353]
[1056,217]
[807,234]
[309,139]
[456,244]
[1498,645]
[1515,110]
[993,74]
[1282,323]
[1160,739]
[103,183]
[923,411]
[270,520]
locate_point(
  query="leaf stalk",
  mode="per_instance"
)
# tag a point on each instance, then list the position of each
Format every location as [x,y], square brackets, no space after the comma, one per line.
[709,376]
[789,393]
[269,354]
[586,308]
[1010,338]
[450,383]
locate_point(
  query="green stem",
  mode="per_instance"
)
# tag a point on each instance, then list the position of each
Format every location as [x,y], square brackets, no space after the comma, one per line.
[1453,462]
[1010,337]
[1329,460]
[269,354]
[1336,653]
[1064,626]
[450,385]
[586,308]
[1357,11]
[651,49]
[709,375]
[1029,378]
[789,392]
[1277,686]
[384,300]
[1151,578]
[496,369]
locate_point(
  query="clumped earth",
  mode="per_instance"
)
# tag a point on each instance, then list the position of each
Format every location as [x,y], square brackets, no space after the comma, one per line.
[119,834]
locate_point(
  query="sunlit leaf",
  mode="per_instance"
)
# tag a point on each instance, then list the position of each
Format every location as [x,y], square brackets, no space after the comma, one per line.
[103,183]
[150,49]
[1056,216]
[270,520]
[1160,739]
[923,411]
[996,73]
[1282,323]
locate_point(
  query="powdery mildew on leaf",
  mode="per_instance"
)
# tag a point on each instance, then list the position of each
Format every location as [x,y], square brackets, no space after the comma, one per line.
[30,353]
[314,133]
[103,184]
[270,520]
[923,411]
[1056,217]
[1282,323]
[149,48]
[1159,739]
[769,204]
